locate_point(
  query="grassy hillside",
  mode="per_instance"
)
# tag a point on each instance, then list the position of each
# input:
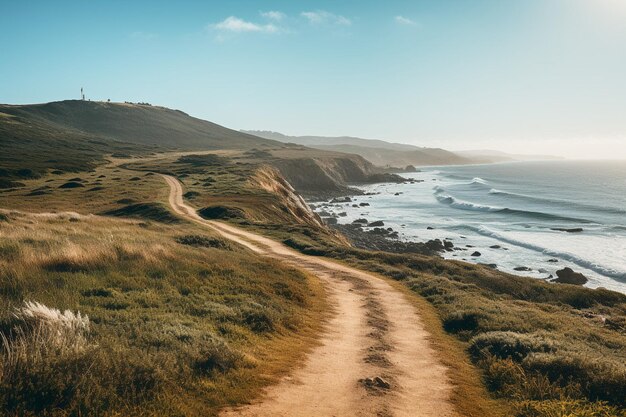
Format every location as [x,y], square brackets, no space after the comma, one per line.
[75,136]
[182,322]
[137,123]
[542,349]
[32,147]
[173,320]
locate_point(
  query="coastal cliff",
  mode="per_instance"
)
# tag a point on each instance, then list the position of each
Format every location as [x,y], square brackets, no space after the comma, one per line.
[270,180]
[328,176]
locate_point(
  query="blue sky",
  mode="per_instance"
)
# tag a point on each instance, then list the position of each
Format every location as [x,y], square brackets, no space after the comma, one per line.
[528,76]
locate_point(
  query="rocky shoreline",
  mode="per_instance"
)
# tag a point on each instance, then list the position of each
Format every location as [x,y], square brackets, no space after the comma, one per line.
[373,235]
[381,239]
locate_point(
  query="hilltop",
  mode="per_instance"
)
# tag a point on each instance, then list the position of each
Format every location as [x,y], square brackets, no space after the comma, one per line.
[135,123]
[76,135]
[73,135]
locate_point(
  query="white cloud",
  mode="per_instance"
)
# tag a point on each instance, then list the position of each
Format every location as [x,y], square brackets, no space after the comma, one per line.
[404,21]
[274,15]
[235,24]
[321,16]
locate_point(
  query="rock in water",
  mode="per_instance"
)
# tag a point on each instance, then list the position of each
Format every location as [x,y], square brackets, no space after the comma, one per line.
[568,276]
[377,223]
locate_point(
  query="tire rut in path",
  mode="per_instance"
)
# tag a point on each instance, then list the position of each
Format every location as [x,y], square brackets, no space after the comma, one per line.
[374,332]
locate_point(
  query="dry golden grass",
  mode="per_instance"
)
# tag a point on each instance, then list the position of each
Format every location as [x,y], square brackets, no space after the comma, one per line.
[107,187]
[185,324]
[175,328]
[540,349]
[514,345]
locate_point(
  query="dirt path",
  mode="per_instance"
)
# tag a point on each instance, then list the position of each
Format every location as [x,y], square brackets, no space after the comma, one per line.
[374,358]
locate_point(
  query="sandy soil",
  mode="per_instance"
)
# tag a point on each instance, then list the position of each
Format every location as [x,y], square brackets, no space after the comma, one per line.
[374,357]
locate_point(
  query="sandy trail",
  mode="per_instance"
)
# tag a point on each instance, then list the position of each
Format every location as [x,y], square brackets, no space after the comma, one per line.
[374,332]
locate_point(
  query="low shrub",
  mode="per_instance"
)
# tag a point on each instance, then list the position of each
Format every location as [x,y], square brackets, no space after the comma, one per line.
[203,160]
[461,321]
[151,211]
[566,408]
[305,248]
[257,318]
[216,356]
[203,241]
[603,380]
[221,212]
[509,379]
[509,345]
[191,195]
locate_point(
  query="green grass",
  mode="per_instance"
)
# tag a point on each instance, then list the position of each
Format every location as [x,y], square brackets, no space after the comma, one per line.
[182,323]
[544,349]
[106,188]
[514,346]
[532,345]
[227,186]
[75,136]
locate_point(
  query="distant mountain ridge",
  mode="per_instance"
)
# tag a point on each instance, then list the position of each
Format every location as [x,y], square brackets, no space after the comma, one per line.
[378,152]
[331,141]
[384,154]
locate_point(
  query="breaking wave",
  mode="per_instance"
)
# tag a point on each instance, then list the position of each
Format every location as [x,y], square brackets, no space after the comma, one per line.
[526,197]
[584,263]
[442,197]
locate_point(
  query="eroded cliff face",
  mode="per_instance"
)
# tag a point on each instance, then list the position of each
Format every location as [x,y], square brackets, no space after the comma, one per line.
[290,204]
[325,176]
[270,180]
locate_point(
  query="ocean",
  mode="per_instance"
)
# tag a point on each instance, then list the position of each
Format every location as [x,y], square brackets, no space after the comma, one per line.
[511,213]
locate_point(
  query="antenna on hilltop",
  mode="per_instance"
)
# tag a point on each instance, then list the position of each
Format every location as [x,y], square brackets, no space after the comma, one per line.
[82,95]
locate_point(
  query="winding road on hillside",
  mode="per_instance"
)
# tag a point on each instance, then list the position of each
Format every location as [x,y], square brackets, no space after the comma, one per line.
[374,357]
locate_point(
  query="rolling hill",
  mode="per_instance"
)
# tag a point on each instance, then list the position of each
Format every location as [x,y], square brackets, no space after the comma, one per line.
[76,135]
[378,152]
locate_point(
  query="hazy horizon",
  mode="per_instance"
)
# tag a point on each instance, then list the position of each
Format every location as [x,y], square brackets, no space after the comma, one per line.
[533,77]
